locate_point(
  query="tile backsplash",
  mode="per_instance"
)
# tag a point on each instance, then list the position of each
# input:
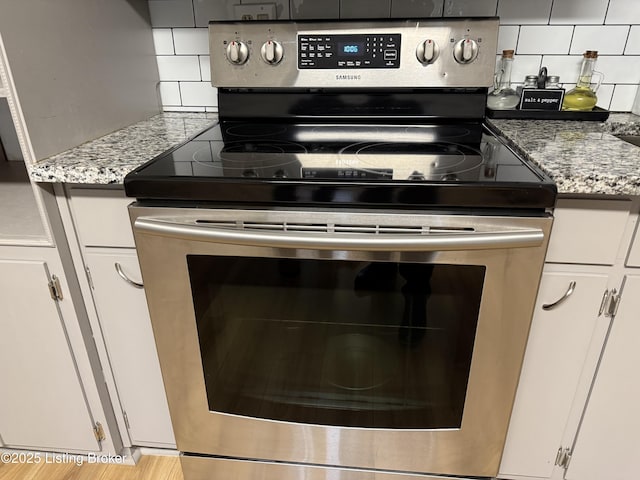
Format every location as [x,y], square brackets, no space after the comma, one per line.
[551,33]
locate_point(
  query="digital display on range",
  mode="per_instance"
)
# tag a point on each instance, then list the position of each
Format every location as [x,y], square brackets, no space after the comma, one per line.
[344,51]
[351,49]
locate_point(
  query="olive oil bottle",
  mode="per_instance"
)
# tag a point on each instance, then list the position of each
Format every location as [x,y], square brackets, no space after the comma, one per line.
[583,98]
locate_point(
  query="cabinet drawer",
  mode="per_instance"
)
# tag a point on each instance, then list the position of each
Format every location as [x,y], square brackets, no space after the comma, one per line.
[102,218]
[587,231]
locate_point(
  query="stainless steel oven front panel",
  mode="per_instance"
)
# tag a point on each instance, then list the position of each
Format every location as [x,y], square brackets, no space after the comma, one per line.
[201,468]
[510,249]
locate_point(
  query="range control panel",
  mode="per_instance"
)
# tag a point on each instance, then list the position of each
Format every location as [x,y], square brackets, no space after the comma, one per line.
[354,54]
[380,50]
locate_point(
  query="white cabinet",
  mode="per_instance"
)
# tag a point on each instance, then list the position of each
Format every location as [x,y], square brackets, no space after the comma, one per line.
[608,445]
[126,326]
[42,401]
[101,217]
[555,357]
[101,221]
[576,412]
[587,231]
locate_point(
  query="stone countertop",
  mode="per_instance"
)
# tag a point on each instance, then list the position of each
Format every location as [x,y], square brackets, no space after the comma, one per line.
[108,159]
[581,157]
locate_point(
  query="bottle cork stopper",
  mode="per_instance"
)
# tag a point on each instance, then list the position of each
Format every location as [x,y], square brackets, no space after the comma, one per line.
[591,54]
[507,53]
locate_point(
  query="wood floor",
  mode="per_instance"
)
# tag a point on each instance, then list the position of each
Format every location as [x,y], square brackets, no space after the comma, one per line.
[148,468]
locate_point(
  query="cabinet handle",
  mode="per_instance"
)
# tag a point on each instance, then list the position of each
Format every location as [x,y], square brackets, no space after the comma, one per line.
[549,306]
[125,278]
[605,299]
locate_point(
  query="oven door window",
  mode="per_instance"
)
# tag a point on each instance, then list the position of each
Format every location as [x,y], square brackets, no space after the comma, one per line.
[343,343]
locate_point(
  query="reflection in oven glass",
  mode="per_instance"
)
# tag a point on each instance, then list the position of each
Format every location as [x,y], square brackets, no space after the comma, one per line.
[378,345]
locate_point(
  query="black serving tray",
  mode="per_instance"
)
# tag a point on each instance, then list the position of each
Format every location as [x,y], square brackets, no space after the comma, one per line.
[596,115]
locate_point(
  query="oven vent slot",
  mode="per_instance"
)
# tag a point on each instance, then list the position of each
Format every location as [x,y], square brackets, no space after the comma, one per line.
[451,230]
[262,226]
[286,227]
[306,227]
[334,228]
[217,223]
[376,229]
[338,228]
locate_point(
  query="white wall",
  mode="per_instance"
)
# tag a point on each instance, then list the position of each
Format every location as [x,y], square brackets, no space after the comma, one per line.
[81,69]
[553,33]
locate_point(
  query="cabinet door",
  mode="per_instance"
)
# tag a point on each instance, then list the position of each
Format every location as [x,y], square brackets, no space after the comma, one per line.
[42,402]
[122,309]
[608,445]
[558,344]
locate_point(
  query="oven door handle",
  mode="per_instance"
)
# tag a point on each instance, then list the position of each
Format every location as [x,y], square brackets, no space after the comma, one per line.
[504,238]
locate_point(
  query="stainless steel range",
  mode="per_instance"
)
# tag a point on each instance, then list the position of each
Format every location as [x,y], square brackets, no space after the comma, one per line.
[341,273]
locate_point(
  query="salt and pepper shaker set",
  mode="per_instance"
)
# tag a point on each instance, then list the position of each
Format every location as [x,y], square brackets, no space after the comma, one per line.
[535,81]
[542,80]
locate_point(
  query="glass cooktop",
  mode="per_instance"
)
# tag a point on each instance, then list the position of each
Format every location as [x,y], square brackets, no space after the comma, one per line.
[343,163]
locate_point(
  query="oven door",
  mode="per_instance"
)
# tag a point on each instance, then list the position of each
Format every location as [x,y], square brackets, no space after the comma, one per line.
[378,341]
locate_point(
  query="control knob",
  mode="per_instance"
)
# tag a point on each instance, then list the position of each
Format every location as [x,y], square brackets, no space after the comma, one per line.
[427,52]
[465,51]
[272,52]
[237,52]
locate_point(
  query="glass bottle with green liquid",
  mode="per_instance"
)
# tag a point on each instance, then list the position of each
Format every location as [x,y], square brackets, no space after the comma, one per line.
[583,97]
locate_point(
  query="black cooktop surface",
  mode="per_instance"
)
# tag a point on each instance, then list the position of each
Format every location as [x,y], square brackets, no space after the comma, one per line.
[446,165]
